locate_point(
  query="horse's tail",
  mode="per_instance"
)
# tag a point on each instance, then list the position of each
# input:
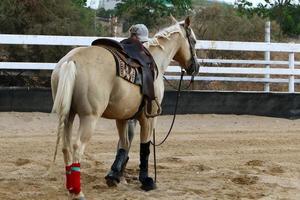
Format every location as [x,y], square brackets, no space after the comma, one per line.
[63,98]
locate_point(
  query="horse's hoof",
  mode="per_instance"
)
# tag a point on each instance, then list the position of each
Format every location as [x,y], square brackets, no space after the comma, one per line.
[79,198]
[111,181]
[148,184]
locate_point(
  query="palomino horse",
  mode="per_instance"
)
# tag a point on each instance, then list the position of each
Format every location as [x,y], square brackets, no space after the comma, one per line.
[84,82]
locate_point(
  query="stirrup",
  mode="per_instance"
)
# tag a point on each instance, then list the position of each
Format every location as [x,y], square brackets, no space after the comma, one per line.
[150,115]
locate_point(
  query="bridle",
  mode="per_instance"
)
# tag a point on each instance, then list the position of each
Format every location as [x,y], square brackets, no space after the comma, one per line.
[193,68]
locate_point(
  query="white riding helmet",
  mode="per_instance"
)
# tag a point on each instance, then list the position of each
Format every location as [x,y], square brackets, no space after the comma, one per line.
[141,31]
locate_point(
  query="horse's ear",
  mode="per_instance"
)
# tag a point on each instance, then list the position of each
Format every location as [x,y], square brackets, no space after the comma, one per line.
[187,22]
[174,21]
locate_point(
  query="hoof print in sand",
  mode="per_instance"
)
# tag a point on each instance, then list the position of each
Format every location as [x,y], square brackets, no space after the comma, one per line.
[22,161]
[257,163]
[200,168]
[245,180]
[273,170]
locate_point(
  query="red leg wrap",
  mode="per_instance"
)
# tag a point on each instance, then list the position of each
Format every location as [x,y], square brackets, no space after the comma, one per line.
[75,178]
[68,178]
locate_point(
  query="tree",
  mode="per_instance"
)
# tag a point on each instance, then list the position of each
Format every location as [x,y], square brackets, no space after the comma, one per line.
[43,17]
[150,12]
[80,3]
[218,22]
[285,12]
[181,7]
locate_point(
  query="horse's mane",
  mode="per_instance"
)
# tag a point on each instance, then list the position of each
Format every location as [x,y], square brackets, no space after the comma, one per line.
[164,33]
[167,32]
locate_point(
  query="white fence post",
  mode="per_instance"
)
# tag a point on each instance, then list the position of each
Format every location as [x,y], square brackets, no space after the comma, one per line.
[292,77]
[267,53]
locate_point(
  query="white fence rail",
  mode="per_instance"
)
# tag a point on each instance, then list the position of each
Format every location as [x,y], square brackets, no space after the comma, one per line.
[290,70]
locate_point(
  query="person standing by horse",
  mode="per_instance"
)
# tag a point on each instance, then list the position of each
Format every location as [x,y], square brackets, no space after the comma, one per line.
[138,34]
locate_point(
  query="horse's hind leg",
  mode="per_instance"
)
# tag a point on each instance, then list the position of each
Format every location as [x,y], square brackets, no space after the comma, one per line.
[67,149]
[86,128]
[125,138]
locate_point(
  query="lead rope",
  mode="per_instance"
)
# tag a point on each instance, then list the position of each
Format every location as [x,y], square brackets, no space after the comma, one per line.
[174,88]
[171,127]
[154,156]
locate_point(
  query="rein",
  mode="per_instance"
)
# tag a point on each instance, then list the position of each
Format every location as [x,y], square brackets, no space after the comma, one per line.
[195,68]
[172,86]
[153,143]
[174,114]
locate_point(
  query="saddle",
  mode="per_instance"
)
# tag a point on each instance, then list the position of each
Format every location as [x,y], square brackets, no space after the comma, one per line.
[134,64]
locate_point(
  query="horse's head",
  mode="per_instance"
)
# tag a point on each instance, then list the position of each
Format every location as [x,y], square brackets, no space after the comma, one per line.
[186,54]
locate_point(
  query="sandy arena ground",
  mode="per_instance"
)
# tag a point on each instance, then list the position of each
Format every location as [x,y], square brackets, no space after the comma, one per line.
[207,157]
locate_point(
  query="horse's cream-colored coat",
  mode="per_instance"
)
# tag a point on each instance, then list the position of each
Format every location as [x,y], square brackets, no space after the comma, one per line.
[95,90]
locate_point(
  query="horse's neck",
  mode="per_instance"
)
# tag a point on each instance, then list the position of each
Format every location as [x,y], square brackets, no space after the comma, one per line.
[165,51]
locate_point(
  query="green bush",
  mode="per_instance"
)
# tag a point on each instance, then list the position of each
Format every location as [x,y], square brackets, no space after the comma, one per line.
[219,22]
[285,12]
[43,17]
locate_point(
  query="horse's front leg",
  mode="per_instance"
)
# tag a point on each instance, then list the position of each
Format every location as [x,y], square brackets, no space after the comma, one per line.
[126,132]
[86,128]
[147,125]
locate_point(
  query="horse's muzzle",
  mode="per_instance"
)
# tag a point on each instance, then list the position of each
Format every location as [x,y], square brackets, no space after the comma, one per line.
[193,68]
